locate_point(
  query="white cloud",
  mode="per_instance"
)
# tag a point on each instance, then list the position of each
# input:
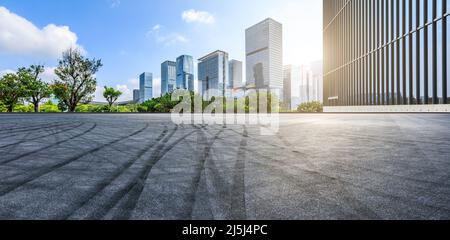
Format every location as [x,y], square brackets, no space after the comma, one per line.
[191,16]
[6,71]
[156,27]
[114,3]
[47,76]
[167,39]
[127,93]
[20,36]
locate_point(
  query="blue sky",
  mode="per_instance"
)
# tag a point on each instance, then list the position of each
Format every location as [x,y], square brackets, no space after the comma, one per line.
[133,36]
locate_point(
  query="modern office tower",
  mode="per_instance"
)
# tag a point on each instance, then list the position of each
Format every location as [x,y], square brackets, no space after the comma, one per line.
[213,74]
[136,93]
[385,52]
[145,87]
[168,77]
[185,73]
[291,84]
[264,55]
[300,86]
[235,74]
[317,75]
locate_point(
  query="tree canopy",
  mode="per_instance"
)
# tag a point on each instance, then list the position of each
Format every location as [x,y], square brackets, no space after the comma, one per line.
[111,95]
[77,82]
[35,88]
[11,90]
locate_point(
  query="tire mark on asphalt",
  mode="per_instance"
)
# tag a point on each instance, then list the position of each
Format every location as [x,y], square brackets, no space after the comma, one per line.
[106,206]
[375,192]
[22,128]
[25,139]
[48,146]
[97,190]
[238,208]
[40,173]
[136,188]
[39,129]
[347,196]
[3,125]
[204,157]
[358,205]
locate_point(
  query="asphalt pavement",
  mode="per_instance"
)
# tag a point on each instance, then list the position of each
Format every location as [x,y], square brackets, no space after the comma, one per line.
[325,166]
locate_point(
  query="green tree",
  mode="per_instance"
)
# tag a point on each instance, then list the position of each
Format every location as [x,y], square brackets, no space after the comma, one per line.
[111,95]
[310,107]
[36,89]
[11,91]
[77,82]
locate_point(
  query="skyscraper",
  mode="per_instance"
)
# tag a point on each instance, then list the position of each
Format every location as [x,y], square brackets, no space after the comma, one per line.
[301,85]
[136,93]
[264,54]
[213,74]
[185,72]
[168,77]
[317,75]
[145,87]
[385,52]
[235,74]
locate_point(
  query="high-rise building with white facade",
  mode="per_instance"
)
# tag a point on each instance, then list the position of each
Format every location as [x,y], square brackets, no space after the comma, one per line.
[185,72]
[301,85]
[235,74]
[145,87]
[168,77]
[213,74]
[317,71]
[264,55]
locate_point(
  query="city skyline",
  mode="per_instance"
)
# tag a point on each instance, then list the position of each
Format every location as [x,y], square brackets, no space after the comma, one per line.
[146,41]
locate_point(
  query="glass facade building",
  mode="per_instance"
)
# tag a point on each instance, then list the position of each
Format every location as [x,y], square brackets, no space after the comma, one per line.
[264,55]
[136,93]
[235,74]
[145,87]
[301,85]
[213,74]
[185,73]
[168,77]
[385,52]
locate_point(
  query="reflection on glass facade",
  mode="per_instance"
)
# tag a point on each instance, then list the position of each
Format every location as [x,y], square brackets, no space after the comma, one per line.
[136,94]
[213,74]
[264,55]
[168,77]
[185,72]
[235,74]
[145,87]
[385,52]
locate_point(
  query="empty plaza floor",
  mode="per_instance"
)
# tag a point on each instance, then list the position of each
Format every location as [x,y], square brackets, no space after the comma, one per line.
[325,166]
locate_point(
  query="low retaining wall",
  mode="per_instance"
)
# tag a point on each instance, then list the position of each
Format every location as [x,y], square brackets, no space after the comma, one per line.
[394,109]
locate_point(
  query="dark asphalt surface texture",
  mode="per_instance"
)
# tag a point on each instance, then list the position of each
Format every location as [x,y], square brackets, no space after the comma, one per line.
[330,166]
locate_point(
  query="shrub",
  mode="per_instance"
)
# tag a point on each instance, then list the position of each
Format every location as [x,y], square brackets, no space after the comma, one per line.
[21,108]
[310,107]
[49,107]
